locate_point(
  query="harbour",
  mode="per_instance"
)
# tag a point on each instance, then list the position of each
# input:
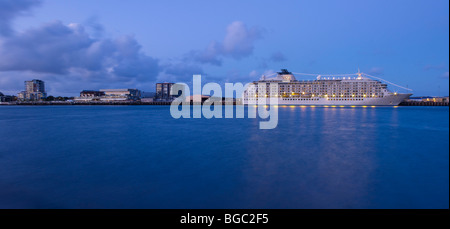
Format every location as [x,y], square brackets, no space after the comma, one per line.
[141,157]
[163,103]
[224,113]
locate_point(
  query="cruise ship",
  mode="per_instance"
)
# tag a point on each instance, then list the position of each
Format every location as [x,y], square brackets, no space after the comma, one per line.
[357,89]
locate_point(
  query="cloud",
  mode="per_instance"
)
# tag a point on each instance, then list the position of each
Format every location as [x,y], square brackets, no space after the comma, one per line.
[239,40]
[437,68]
[270,73]
[94,26]
[73,57]
[376,71]
[434,67]
[211,55]
[60,49]
[254,75]
[277,57]
[238,43]
[263,64]
[10,9]
[69,57]
[179,72]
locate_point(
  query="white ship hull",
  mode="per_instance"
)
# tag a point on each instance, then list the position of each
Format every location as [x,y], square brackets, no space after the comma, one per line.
[392,100]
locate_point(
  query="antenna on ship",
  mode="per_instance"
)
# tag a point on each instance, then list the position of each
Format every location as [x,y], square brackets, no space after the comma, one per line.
[359,74]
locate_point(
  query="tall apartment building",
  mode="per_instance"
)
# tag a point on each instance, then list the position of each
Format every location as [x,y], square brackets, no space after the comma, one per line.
[34,91]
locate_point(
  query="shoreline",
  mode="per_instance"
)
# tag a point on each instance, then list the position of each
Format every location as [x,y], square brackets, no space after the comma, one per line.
[169,103]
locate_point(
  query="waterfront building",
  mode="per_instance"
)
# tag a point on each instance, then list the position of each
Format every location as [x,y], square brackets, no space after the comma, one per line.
[90,95]
[34,91]
[147,100]
[436,99]
[203,98]
[109,95]
[5,98]
[163,92]
[416,99]
[112,95]
[145,95]
[429,99]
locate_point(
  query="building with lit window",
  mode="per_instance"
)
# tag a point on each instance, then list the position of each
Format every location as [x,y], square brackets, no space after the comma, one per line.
[112,95]
[34,91]
[5,98]
[109,95]
[163,92]
[90,95]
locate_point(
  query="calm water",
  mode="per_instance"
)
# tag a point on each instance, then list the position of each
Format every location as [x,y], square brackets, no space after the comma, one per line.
[140,157]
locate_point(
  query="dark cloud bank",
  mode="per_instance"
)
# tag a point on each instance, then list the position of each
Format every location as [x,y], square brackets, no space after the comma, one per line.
[10,9]
[76,56]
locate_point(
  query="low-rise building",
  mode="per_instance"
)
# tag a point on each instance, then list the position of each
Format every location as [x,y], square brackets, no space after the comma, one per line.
[198,98]
[147,94]
[109,95]
[147,100]
[429,99]
[90,95]
[6,98]
[439,99]
[120,95]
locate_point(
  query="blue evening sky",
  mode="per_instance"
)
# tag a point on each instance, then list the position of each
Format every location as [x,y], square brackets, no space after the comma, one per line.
[80,44]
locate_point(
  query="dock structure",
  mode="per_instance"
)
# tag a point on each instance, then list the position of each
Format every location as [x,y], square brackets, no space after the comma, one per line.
[104,103]
[167,103]
[423,103]
[91,103]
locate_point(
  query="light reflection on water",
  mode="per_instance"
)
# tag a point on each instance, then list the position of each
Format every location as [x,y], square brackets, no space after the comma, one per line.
[140,157]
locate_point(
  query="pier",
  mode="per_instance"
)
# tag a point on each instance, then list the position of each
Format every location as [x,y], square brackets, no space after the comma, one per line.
[91,103]
[423,103]
[94,103]
[162,103]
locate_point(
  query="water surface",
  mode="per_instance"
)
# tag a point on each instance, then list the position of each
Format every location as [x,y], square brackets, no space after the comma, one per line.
[140,157]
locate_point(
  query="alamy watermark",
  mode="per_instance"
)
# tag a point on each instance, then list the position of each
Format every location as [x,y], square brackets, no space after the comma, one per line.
[260,98]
